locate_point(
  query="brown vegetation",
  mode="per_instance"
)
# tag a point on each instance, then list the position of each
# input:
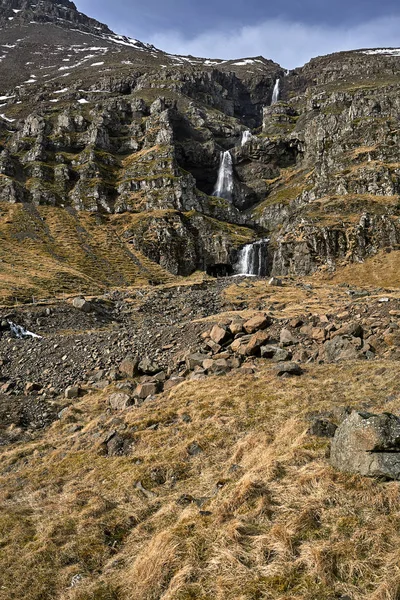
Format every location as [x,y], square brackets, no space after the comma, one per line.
[258,513]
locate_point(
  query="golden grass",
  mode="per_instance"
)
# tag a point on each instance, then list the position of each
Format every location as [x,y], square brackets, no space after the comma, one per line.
[265,516]
[45,251]
[383,270]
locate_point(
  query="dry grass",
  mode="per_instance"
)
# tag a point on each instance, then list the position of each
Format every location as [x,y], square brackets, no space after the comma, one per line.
[259,513]
[383,270]
[46,251]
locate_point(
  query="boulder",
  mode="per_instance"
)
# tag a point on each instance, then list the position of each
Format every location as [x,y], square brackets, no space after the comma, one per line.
[350,329]
[289,369]
[256,341]
[72,392]
[148,367]
[257,323]
[286,338]
[339,348]
[219,334]
[144,390]
[195,360]
[129,366]
[319,334]
[368,444]
[240,344]
[236,327]
[81,304]
[120,401]
[282,355]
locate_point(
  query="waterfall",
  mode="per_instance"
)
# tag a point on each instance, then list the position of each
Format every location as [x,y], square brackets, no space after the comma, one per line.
[275,93]
[20,332]
[246,137]
[253,259]
[224,187]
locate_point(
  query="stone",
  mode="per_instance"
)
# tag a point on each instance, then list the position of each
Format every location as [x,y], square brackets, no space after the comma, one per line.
[81,304]
[215,348]
[256,341]
[219,335]
[338,349]
[148,367]
[286,338]
[144,390]
[236,327]
[240,344]
[269,351]
[129,366]
[296,323]
[173,382]
[368,444]
[72,392]
[221,366]
[289,369]
[282,355]
[195,360]
[257,323]
[120,401]
[322,428]
[318,334]
[350,329]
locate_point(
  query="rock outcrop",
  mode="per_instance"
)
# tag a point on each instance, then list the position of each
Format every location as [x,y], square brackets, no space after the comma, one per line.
[104,124]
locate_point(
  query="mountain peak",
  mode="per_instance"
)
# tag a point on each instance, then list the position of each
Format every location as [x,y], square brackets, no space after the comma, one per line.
[61,12]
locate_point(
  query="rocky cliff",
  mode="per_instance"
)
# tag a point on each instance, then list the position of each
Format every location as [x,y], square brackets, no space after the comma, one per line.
[92,122]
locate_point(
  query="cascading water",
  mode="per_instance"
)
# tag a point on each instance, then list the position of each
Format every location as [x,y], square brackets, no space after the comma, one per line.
[246,137]
[20,332]
[224,187]
[275,93]
[253,259]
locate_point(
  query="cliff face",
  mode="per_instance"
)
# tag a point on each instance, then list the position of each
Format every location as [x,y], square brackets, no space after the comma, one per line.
[100,123]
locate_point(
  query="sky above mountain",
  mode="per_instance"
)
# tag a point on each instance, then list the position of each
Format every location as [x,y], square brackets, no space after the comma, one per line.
[290,33]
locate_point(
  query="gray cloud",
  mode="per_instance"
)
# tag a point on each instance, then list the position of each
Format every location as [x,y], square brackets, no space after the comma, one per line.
[291,44]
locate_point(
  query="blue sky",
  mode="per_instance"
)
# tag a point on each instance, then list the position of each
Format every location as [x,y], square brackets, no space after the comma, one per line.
[289,32]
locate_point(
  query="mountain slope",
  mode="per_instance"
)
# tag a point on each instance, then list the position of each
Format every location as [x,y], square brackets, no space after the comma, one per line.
[95,122]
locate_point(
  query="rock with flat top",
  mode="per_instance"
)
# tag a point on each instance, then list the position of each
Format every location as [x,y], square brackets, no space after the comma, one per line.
[368,444]
[289,369]
[257,323]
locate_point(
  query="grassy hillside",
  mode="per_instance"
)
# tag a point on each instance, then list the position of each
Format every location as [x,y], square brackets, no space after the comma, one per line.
[45,251]
[223,495]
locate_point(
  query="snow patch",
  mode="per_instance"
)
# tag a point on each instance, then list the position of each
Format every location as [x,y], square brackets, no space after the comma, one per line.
[243,63]
[387,51]
[2,116]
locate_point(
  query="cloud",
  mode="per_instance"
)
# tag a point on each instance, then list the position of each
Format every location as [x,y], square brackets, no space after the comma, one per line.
[291,44]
